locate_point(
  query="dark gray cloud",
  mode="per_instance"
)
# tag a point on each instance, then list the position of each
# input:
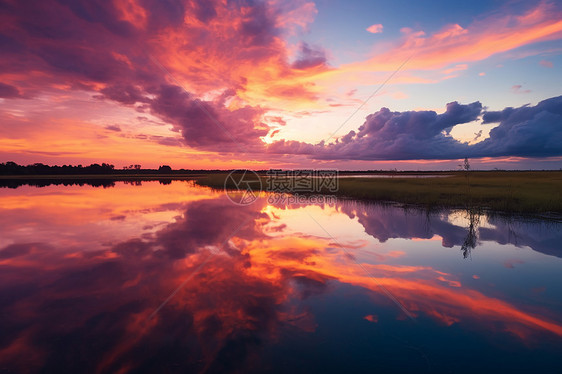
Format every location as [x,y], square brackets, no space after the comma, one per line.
[527,131]
[387,135]
[113,128]
[89,45]
[124,94]
[258,27]
[8,91]
[208,124]
[309,57]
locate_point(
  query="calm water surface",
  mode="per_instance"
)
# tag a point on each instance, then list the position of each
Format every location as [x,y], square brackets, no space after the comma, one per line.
[174,278]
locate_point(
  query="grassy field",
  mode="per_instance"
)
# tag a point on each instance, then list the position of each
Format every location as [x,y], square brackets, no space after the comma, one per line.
[519,192]
[506,191]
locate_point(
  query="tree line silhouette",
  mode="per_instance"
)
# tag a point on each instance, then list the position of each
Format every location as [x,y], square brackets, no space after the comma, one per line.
[12,168]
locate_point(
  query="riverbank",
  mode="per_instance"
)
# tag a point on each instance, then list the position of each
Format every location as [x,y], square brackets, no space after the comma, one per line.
[504,191]
[96,180]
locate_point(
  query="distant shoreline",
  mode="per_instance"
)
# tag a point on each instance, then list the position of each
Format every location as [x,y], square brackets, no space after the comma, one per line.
[102,176]
[538,192]
[149,173]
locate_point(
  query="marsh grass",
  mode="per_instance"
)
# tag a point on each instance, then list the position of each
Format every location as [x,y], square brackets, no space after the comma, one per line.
[503,191]
[507,191]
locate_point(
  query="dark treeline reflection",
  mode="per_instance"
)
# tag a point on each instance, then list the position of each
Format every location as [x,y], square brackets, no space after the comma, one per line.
[244,288]
[94,182]
[44,182]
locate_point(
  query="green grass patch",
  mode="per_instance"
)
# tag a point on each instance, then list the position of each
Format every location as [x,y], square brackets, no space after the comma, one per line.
[520,192]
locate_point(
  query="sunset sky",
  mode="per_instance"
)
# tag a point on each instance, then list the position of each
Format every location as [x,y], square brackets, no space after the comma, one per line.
[282,84]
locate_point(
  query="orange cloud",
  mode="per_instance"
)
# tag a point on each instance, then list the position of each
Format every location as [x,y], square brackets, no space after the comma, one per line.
[456,68]
[211,48]
[457,45]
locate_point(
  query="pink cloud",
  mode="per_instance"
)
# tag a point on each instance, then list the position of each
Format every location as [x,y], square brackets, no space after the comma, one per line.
[518,89]
[454,43]
[455,68]
[211,70]
[375,29]
[161,60]
[510,264]
[546,64]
